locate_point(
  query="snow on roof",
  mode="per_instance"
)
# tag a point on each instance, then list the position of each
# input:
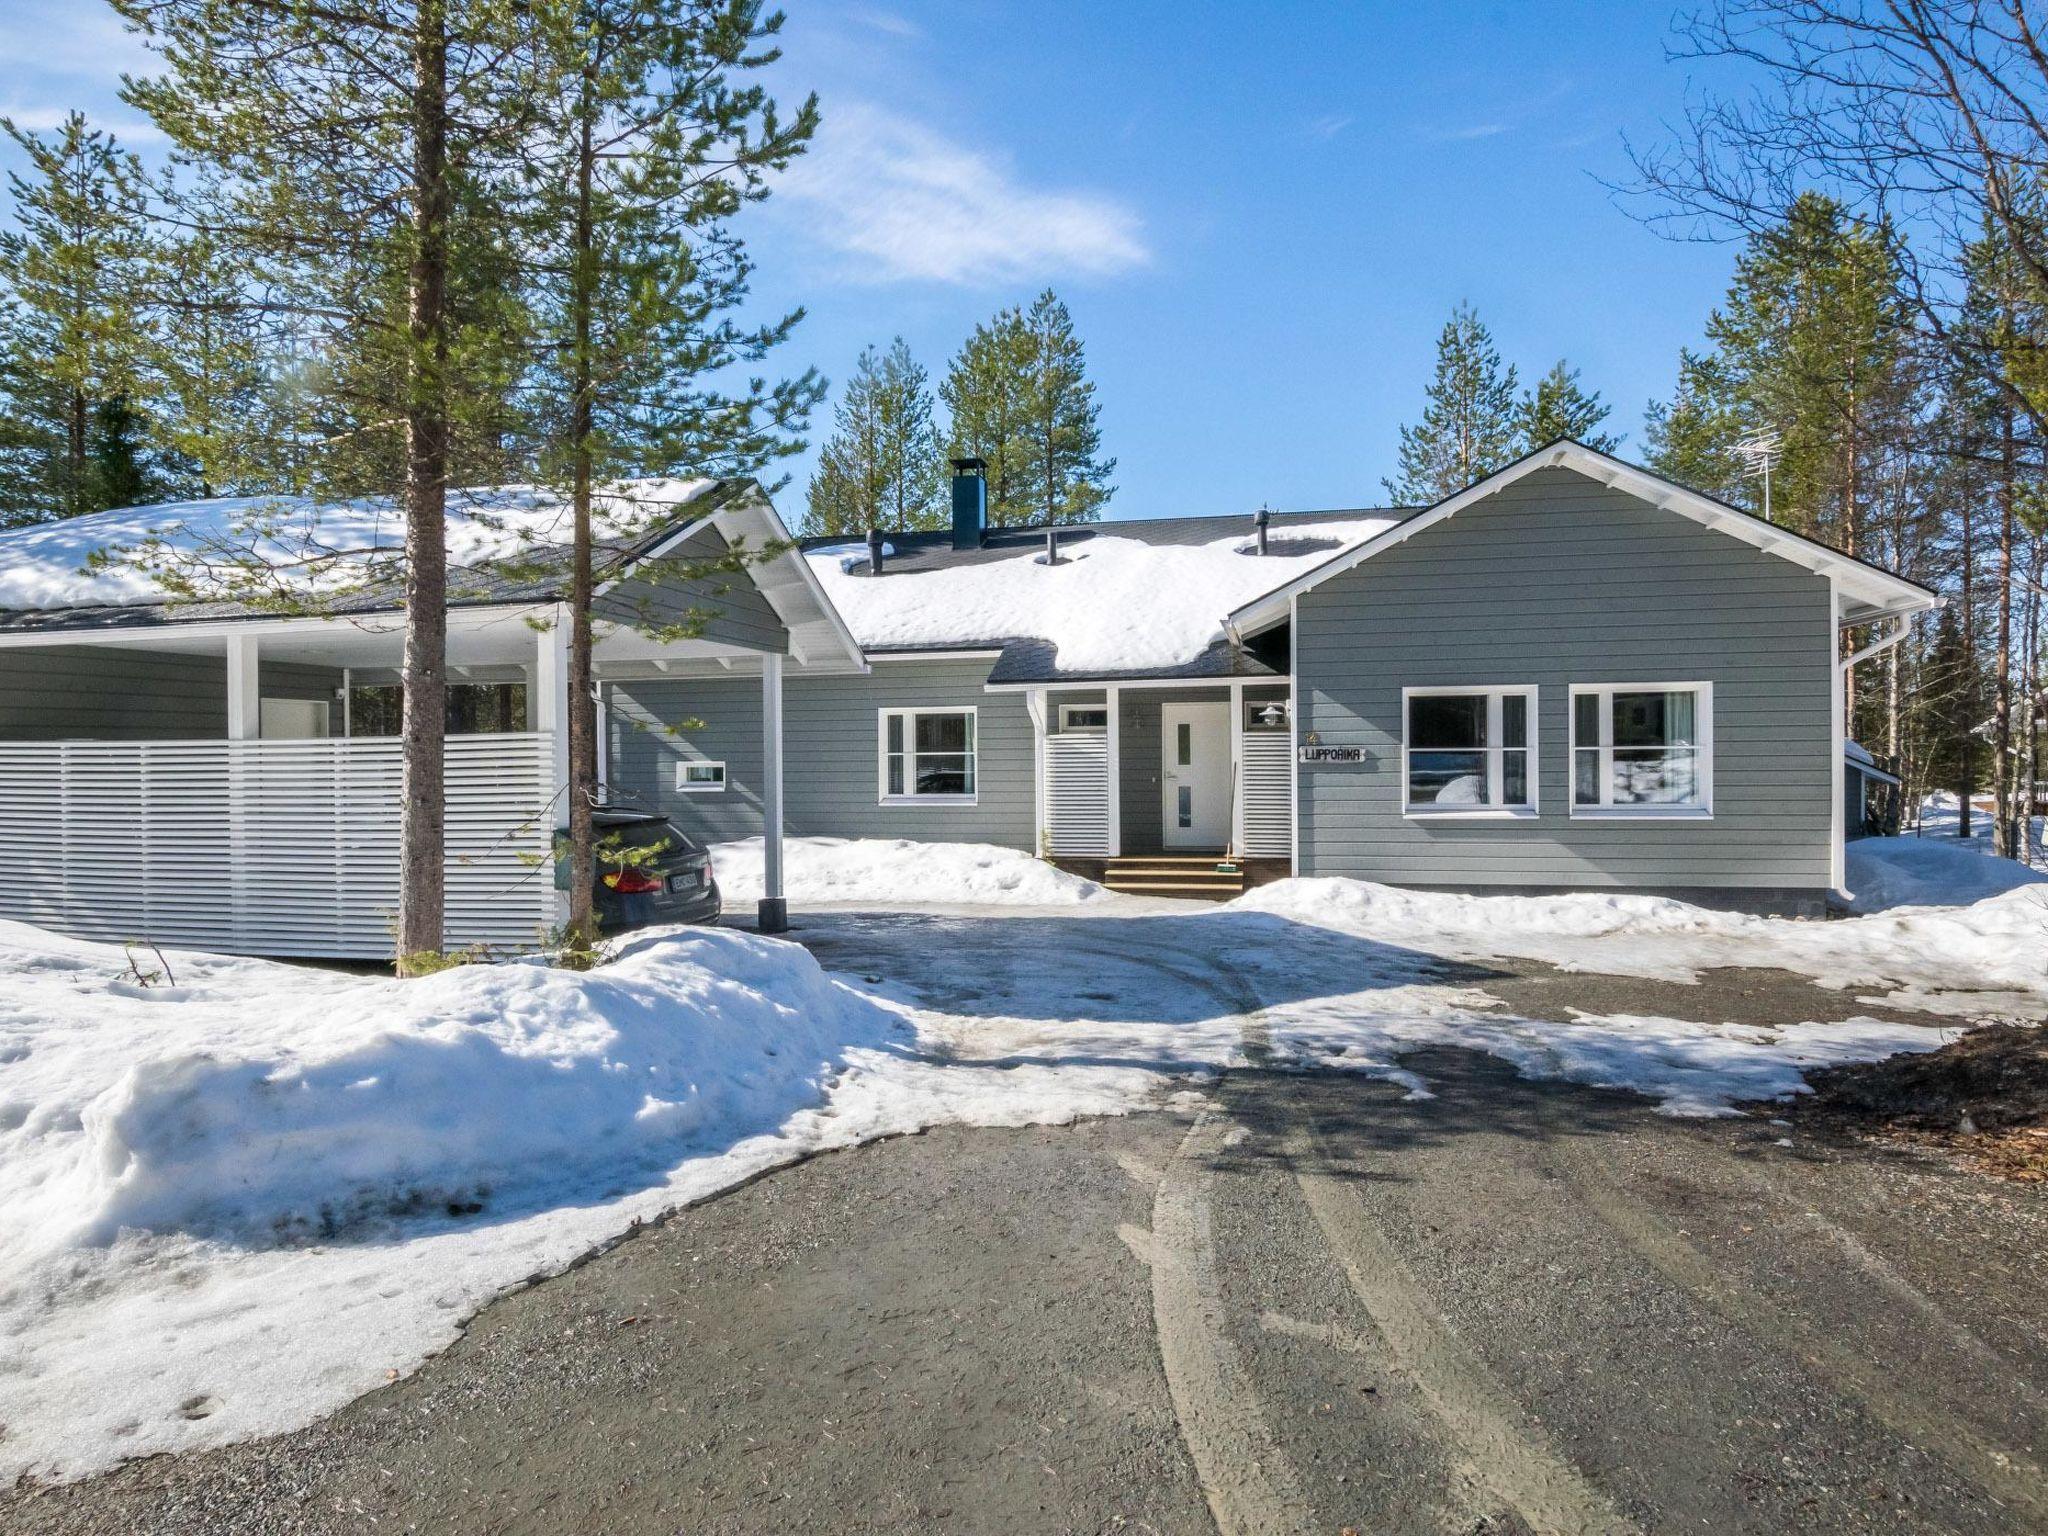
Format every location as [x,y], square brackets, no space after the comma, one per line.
[325,545]
[1856,752]
[1113,603]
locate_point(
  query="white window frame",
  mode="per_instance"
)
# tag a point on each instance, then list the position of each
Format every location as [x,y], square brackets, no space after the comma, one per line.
[910,716]
[1090,730]
[1492,810]
[685,787]
[1607,810]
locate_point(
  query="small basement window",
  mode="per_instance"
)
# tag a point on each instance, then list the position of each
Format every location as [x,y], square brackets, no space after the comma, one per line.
[1643,750]
[927,756]
[1084,717]
[698,777]
[1469,751]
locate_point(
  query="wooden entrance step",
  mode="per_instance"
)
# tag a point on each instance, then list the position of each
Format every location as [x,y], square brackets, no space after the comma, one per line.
[1202,877]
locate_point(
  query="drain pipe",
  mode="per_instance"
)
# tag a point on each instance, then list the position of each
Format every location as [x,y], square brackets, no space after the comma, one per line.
[1884,642]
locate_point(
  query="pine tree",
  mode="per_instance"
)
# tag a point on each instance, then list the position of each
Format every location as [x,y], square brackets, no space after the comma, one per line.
[881,468]
[208,359]
[1066,479]
[985,396]
[655,139]
[1559,407]
[345,133]
[71,329]
[1692,438]
[1020,399]
[1813,340]
[1468,427]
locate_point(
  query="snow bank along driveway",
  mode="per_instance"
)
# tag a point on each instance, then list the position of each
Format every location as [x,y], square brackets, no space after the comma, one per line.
[234,1198]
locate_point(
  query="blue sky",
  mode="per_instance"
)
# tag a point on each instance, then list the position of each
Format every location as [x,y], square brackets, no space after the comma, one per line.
[1259,215]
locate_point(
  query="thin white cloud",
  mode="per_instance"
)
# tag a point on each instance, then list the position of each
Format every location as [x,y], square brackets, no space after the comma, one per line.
[1330,124]
[885,21]
[900,201]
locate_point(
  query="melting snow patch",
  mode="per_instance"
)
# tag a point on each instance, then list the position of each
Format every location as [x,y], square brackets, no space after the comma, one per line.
[897,872]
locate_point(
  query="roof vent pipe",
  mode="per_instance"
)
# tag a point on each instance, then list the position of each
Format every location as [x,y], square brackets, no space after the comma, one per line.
[1052,546]
[1259,520]
[874,551]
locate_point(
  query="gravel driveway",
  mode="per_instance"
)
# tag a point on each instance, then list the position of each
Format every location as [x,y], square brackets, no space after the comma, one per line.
[1315,1304]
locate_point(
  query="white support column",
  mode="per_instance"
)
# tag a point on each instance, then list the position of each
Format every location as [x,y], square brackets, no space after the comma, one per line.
[1034,705]
[245,696]
[1294,735]
[1114,720]
[547,707]
[1838,860]
[1237,770]
[774,910]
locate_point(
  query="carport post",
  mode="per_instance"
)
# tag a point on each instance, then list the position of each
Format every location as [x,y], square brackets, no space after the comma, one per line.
[773,916]
[548,708]
[245,695]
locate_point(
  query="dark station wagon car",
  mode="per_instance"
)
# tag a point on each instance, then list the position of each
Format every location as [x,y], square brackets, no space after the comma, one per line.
[649,872]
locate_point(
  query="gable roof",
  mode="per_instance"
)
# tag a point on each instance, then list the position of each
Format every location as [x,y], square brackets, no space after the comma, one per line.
[1869,592]
[1136,598]
[507,546]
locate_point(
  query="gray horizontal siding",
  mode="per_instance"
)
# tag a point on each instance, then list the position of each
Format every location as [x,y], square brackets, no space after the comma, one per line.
[728,608]
[106,693]
[1554,581]
[830,778]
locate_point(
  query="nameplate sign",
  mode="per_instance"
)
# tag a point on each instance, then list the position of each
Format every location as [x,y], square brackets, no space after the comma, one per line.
[1314,755]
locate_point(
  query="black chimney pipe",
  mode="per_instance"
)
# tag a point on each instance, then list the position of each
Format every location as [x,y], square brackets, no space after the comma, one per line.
[874,551]
[1052,546]
[1259,520]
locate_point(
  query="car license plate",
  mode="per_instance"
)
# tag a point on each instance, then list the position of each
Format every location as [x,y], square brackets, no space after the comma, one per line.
[686,881]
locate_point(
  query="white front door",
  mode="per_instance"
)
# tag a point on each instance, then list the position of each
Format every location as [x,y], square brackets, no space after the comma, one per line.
[1194,750]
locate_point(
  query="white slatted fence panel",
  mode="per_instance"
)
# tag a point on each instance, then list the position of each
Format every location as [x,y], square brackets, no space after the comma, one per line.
[266,847]
[1268,794]
[1077,791]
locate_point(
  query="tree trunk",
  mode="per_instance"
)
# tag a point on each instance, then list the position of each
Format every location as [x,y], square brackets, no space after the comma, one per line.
[582,703]
[422,867]
[75,455]
[1966,749]
[2002,839]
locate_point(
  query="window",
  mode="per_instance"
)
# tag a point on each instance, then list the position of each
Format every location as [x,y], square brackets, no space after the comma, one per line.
[927,755]
[1469,751]
[1084,717]
[700,778]
[1643,749]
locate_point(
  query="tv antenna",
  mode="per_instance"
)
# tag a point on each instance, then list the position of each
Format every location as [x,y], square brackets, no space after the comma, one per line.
[1760,452]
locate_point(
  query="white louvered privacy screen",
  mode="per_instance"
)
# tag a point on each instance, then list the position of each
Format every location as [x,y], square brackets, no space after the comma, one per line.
[1268,788]
[266,847]
[1077,794]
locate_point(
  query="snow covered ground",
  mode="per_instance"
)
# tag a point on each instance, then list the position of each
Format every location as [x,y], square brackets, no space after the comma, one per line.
[237,1197]
[894,870]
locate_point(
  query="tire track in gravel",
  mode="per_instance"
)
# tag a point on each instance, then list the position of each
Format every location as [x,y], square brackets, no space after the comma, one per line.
[2006,1474]
[1500,1449]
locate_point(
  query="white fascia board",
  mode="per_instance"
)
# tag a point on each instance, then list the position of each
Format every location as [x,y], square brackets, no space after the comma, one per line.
[1883,594]
[467,618]
[1086,684]
[958,653]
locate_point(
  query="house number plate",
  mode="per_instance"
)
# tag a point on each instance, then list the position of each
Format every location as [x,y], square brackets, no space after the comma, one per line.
[1332,754]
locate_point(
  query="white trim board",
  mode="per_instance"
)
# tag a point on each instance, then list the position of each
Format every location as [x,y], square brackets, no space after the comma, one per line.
[1883,594]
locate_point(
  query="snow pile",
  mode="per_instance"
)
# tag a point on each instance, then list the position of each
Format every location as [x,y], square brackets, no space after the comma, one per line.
[1112,604]
[190,1173]
[342,543]
[1984,956]
[897,872]
[1887,872]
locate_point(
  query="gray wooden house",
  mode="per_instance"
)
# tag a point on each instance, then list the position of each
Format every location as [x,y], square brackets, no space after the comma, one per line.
[1571,675]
